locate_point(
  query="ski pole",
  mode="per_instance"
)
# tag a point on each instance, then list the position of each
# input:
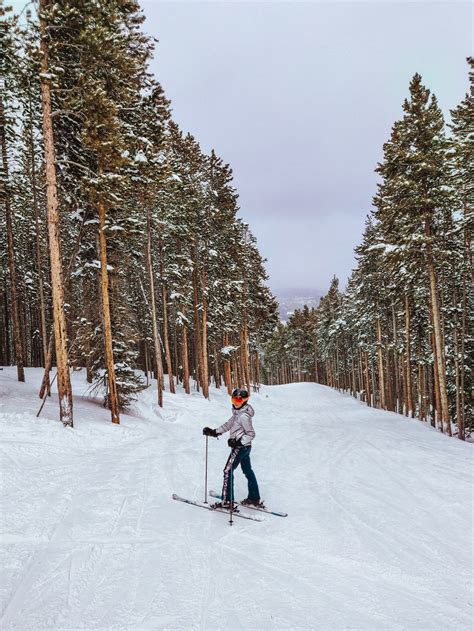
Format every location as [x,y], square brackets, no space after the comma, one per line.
[205,478]
[231,493]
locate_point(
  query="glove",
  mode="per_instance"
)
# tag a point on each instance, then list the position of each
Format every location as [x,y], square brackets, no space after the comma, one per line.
[234,442]
[207,431]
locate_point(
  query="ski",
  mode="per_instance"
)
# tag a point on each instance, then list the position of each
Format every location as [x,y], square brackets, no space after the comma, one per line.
[215,510]
[262,510]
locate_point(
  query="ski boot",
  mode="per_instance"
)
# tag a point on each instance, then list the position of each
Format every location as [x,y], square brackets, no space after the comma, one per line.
[254,503]
[226,506]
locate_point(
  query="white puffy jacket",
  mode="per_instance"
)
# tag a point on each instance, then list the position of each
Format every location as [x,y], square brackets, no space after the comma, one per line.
[240,425]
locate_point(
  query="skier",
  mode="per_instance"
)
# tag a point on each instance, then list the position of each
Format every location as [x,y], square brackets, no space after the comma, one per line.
[241,435]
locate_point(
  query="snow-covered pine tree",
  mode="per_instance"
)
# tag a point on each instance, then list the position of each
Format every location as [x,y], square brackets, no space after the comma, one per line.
[9,62]
[399,336]
[461,152]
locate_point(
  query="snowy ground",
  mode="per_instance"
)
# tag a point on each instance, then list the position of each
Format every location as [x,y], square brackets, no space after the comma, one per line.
[378,533]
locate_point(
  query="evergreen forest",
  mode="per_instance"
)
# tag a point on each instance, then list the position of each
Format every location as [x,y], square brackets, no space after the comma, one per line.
[123,253]
[400,336]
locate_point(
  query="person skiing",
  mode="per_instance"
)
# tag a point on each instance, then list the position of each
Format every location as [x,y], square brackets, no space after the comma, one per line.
[241,435]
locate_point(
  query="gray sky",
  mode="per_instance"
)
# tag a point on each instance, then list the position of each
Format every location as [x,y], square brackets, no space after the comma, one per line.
[299,97]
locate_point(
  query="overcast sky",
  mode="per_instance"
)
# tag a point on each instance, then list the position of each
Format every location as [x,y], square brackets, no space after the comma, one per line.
[299,97]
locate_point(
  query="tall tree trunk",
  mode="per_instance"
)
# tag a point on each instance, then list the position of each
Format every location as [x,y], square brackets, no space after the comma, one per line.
[145,358]
[437,330]
[426,392]
[257,370]
[363,393]
[45,383]
[244,360]
[316,376]
[431,397]
[395,362]
[176,344]
[421,391]
[39,264]
[238,378]
[227,368]
[166,341]
[154,319]
[381,369]
[353,385]
[11,255]
[437,395]
[217,370]
[205,363]
[6,319]
[408,377]
[372,376]
[185,353]
[108,342]
[461,422]
[59,319]
[197,327]
[367,379]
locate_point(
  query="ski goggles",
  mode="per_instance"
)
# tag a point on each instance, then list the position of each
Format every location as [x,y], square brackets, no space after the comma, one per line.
[238,400]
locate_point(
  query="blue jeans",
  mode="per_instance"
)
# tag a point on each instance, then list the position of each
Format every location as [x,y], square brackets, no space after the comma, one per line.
[239,455]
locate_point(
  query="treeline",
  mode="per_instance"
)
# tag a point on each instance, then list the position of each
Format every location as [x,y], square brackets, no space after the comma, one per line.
[121,249]
[400,337]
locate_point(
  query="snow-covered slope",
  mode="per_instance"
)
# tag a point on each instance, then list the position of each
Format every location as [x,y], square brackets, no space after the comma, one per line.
[377,537]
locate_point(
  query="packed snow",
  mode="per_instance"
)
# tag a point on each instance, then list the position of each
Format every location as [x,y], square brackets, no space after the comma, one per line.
[378,534]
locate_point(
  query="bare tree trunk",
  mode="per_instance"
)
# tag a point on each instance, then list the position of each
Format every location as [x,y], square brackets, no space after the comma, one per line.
[360,376]
[395,360]
[257,370]
[6,318]
[244,360]
[169,366]
[367,379]
[438,332]
[176,344]
[59,319]
[227,368]
[11,256]
[39,265]
[205,364]
[408,378]
[456,359]
[166,342]
[316,376]
[372,375]
[185,353]
[421,389]
[461,422]
[353,375]
[381,370]
[389,383]
[217,369]
[431,396]
[145,357]
[154,320]
[197,326]
[238,377]
[437,397]
[426,392]
[113,400]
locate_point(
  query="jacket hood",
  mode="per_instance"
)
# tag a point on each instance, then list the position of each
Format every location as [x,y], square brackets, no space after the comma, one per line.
[247,409]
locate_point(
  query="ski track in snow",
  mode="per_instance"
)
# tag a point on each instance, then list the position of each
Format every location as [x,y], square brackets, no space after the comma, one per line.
[378,534]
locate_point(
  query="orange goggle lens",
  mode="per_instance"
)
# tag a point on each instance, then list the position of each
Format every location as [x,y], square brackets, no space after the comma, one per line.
[237,399]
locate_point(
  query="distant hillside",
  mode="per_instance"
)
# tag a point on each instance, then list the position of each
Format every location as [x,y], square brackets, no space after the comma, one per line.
[292,299]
